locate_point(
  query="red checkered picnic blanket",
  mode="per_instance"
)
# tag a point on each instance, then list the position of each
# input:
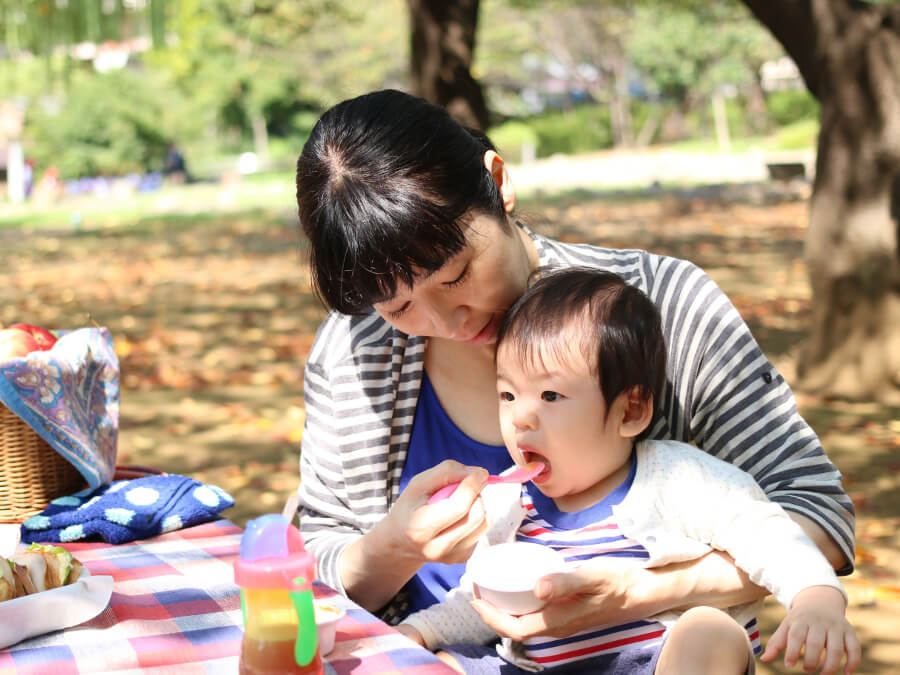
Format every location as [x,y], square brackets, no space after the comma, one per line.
[175,609]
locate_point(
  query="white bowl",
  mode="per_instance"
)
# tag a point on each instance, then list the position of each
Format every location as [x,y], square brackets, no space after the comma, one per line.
[505,574]
[327,616]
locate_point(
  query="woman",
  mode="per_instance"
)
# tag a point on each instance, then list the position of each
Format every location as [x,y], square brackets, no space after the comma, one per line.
[412,246]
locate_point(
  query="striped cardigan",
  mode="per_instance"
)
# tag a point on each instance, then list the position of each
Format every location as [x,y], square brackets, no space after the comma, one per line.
[362,383]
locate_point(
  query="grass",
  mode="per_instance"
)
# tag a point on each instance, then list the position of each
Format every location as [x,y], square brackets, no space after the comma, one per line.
[711,145]
[798,136]
[197,200]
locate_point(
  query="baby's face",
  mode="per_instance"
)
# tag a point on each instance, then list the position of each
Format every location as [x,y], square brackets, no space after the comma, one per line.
[552,410]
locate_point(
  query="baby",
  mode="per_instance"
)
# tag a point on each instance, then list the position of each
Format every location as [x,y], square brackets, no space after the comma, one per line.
[580,364]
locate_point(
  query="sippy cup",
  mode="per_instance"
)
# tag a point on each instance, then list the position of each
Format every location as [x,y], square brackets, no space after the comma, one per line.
[276,573]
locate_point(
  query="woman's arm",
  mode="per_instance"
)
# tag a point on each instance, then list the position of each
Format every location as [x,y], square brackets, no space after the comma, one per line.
[612,590]
[829,548]
[371,561]
[360,405]
[327,508]
[725,396]
[372,567]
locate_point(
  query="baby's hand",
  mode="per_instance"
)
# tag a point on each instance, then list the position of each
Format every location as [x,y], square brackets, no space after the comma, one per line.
[816,622]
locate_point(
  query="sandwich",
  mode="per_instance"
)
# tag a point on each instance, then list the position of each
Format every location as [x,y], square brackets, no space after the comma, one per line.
[40,567]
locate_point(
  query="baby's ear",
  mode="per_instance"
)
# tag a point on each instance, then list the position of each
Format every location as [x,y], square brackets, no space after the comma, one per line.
[637,411]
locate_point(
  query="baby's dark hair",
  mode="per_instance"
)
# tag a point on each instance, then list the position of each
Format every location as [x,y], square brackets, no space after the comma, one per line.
[386,185]
[619,327]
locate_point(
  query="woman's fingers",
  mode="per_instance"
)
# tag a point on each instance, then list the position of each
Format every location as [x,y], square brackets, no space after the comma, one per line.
[455,543]
[559,619]
[516,627]
[593,594]
[604,580]
[449,471]
[430,527]
[446,531]
[471,485]
[559,586]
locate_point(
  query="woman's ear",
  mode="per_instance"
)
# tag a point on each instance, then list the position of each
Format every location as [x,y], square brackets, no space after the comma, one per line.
[495,164]
[637,411]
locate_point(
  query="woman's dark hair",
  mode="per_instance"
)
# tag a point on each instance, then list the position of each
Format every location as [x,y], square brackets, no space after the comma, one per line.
[620,329]
[386,184]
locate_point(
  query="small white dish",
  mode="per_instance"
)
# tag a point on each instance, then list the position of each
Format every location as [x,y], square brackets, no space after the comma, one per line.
[505,574]
[327,616]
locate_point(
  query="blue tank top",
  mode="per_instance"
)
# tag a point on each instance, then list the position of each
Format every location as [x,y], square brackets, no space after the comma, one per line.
[435,438]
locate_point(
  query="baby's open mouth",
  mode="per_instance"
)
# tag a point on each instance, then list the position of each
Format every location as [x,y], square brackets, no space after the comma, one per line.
[531,456]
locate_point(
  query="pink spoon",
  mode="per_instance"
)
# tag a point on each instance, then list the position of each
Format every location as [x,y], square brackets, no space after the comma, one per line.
[520,475]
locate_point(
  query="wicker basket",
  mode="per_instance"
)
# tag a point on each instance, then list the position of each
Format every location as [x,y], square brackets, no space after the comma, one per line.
[32,474]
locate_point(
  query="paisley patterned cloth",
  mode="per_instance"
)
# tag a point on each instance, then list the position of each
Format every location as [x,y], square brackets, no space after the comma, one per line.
[70,396]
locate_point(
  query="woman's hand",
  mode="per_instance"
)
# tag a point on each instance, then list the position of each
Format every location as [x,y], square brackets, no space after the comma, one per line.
[445,531]
[614,590]
[376,566]
[596,593]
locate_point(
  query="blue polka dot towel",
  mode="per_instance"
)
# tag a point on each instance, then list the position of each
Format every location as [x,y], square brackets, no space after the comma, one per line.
[127,510]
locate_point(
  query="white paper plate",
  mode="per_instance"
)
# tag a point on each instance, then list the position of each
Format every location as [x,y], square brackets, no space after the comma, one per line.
[55,609]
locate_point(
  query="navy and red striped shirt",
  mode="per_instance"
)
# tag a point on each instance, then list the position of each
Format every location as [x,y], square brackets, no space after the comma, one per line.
[581,536]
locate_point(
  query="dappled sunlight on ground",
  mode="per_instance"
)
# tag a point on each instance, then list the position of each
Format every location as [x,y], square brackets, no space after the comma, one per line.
[213,318]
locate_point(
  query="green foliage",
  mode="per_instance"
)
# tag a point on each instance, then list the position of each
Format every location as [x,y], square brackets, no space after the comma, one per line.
[26,79]
[510,137]
[41,27]
[787,107]
[239,75]
[228,69]
[700,121]
[684,50]
[797,136]
[108,124]
[582,129]
[278,62]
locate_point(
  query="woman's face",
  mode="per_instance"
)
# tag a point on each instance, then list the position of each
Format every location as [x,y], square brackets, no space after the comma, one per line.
[466,298]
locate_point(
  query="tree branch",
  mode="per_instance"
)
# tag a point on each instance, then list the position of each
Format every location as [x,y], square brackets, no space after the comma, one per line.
[791,23]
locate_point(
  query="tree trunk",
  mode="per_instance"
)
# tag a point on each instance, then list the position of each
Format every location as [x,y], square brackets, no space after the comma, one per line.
[443,42]
[620,106]
[260,136]
[758,115]
[852,254]
[720,122]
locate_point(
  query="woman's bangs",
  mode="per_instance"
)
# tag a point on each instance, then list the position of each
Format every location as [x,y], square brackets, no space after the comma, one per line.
[398,254]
